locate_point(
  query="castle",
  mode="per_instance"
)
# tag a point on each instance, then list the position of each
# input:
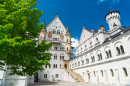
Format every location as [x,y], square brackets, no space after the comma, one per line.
[101,56]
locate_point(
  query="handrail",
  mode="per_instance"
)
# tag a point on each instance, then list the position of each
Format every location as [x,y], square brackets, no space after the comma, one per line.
[70,73]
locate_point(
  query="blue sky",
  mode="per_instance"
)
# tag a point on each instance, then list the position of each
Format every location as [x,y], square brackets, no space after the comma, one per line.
[83,13]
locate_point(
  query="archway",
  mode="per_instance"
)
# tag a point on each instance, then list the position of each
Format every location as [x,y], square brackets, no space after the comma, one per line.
[36,77]
[89,77]
[65,66]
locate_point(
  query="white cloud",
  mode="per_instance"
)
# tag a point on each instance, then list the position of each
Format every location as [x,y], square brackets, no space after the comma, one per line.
[111,1]
[74,42]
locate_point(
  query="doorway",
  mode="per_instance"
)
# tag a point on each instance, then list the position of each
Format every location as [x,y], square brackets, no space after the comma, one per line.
[36,77]
[89,77]
[66,66]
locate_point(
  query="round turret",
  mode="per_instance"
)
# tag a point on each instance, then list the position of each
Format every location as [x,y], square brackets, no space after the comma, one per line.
[113,18]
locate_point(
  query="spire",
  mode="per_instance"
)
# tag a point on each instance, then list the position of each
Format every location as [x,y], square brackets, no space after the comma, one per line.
[110,10]
[68,31]
[56,14]
[44,24]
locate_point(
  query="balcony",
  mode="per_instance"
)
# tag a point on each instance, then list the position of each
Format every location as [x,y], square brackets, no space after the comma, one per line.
[56,41]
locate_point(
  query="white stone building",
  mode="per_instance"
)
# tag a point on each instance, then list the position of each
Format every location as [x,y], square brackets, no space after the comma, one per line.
[103,56]
[60,36]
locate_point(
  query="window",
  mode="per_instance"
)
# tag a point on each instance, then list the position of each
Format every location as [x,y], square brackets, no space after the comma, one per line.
[57,75]
[97,39]
[93,59]
[100,56]
[87,61]
[58,31]
[110,53]
[78,63]
[82,62]
[67,40]
[54,31]
[60,66]
[90,43]
[122,49]
[61,48]
[75,64]
[118,50]
[45,75]
[55,56]
[45,66]
[125,72]
[102,73]
[54,66]
[49,66]
[107,54]
[55,48]
[112,73]
[85,46]
[94,73]
[67,48]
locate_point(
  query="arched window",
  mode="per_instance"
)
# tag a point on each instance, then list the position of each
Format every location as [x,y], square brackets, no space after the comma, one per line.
[125,72]
[122,49]
[107,54]
[58,31]
[100,56]
[55,56]
[94,73]
[97,39]
[102,73]
[112,73]
[60,66]
[87,61]
[93,59]
[54,31]
[118,50]
[54,66]
[110,53]
[67,48]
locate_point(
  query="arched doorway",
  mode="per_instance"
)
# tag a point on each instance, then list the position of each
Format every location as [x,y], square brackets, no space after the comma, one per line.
[65,66]
[36,77]
[89,77]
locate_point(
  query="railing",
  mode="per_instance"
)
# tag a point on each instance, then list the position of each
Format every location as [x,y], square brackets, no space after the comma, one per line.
[71,74]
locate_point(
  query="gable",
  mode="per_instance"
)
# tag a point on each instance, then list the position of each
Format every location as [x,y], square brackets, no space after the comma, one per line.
[85,34]
[57,25]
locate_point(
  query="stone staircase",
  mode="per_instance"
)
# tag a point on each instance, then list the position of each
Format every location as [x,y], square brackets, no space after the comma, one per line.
[77,77]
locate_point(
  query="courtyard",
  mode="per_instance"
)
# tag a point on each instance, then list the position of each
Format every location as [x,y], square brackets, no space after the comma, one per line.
[65,84]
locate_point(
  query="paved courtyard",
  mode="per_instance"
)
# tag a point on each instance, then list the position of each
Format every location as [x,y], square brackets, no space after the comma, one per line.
[65,84]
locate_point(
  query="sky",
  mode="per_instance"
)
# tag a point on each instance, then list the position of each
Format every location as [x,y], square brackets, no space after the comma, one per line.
[83,13]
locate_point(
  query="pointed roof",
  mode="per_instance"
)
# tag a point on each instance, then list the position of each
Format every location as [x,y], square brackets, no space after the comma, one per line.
[54,19]
[44,26]
[111,11]
[68,31]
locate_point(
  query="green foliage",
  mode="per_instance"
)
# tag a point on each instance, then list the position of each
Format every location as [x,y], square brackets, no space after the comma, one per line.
[18,28]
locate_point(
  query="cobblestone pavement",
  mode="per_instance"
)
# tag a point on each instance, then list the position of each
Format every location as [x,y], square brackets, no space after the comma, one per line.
[65,84]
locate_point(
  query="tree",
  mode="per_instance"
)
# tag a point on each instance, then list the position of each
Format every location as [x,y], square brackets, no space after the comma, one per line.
[18,28]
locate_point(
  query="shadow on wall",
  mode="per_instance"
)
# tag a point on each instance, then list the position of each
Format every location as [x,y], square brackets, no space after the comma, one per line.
[46,83]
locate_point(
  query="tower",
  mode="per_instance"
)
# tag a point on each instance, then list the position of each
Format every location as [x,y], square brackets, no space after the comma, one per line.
[68,41]
[43,33]
[113,19]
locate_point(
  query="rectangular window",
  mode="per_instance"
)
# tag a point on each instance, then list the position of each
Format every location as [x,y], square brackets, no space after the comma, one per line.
[45,75]
[57,75]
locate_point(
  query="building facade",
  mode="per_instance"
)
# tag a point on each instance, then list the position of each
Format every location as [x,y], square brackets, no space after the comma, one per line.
[103,56]
[60,36]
